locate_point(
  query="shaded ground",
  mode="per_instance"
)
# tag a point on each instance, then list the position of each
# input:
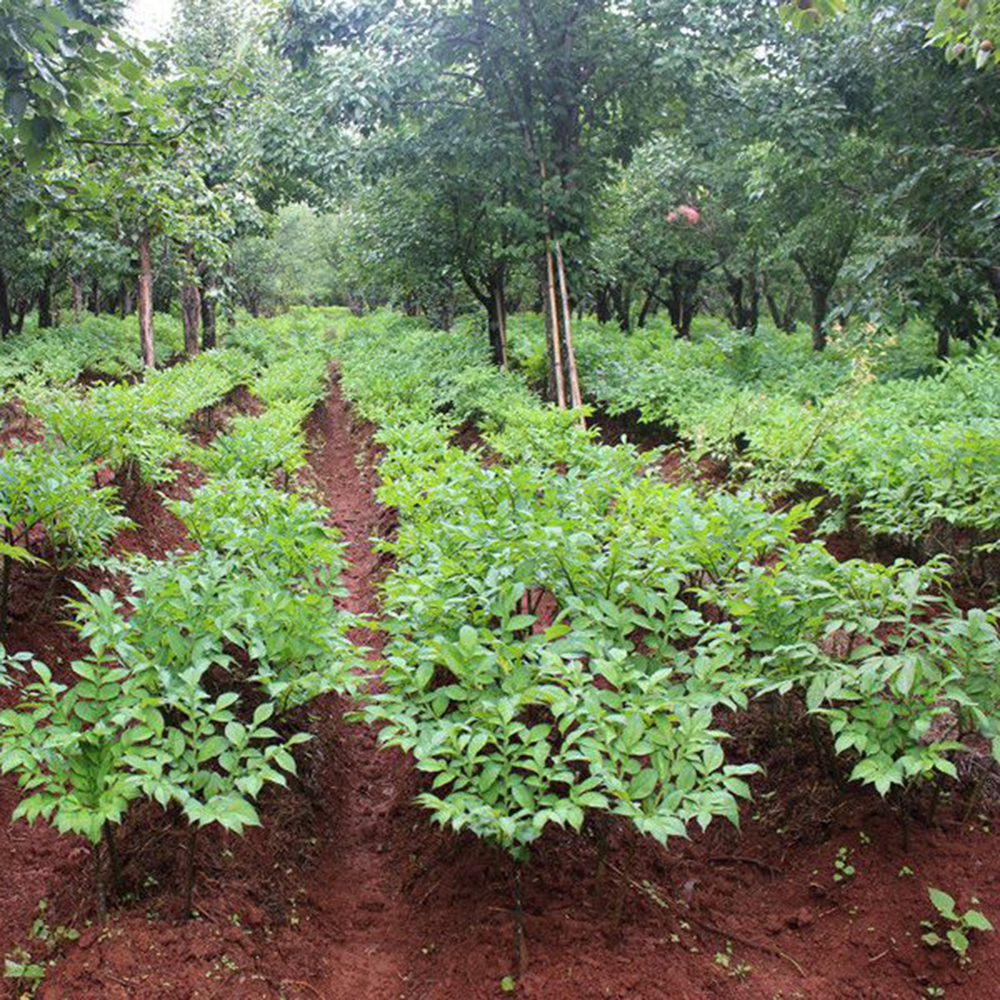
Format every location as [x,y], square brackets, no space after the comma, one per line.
[347,893]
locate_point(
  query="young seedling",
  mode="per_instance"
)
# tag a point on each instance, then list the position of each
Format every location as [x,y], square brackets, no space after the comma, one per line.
[843,870]
[957,926]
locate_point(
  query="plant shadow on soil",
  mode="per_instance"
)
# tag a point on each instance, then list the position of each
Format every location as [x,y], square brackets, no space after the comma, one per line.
[348,893]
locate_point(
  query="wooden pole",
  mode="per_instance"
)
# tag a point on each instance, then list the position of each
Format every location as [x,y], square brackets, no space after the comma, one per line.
[574,382]
[556,332]
[146,342]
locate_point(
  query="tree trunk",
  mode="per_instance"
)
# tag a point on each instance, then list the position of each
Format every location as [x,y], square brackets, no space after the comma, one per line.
[622,299]
[45,303]
[682,305]
[820,310]
[23,305]
[943,341]
[993,277]
[77,286]
[496,321]
[603,308]
[208,334]
[556,392]
[745,295]
[647,306]
[784,319]
[147,344]
[95,296]
[6,323]
[190,306]
[569,351]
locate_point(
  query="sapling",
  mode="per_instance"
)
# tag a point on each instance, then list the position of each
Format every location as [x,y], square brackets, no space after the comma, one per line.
[68,747]
[201,757]
[958,926]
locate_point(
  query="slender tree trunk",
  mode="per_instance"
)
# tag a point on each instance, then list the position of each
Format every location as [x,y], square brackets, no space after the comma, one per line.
[745,294]
[8,564]
[230,299]
[189,875]
[208,334]
[99,890]
[993,277]
[147,344]
[113,858]
[943,341]
[647,308]
[77,286]
[45,302]
[820,310]
[603,308]
[6,323]
[23,305]
[622,298]
[95,296]
[190,306]
[682,304]
[496,323]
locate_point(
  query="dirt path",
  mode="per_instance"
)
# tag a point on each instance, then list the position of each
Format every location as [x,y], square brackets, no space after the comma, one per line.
[357,900]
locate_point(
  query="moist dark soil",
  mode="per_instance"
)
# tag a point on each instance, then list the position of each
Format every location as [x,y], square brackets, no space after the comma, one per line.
[348,893]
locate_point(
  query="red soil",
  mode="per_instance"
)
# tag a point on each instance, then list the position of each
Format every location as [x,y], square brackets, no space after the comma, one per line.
[348,893]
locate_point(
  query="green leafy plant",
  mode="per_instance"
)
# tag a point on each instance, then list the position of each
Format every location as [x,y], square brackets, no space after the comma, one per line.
[843,869]
[200,756]
[957,926]
[67,746]
[49,490]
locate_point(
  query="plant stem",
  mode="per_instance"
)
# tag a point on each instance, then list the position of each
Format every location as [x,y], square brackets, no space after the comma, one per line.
[116,868]
[102,903]
[5,587]
[520,945]
[192,841]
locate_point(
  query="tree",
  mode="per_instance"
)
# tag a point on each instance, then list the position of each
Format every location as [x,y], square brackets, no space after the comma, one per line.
[566,85]
[53,55]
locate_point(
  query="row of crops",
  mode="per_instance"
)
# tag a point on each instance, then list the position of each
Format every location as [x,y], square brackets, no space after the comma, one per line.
[903,445]
[197,664]
[570,636]
[91,344]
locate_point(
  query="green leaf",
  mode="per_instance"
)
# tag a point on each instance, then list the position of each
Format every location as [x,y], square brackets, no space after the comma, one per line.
[943,903]
[643,784]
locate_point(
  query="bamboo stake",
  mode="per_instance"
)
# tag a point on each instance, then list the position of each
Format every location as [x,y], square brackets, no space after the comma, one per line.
[556,332]
[574,381]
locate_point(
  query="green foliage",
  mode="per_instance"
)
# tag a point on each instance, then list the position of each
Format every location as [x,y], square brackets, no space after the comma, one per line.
[518,723]
[957,926]
[260,446]
[67,746]
[556,643]
[911,458]
[137,429]
[299,377]
[94,345]
[48,488]
[176,701]
[209,609]
[283,533]
[207,761]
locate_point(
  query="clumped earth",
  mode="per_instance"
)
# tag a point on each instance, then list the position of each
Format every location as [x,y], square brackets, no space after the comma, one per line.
[348,892]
